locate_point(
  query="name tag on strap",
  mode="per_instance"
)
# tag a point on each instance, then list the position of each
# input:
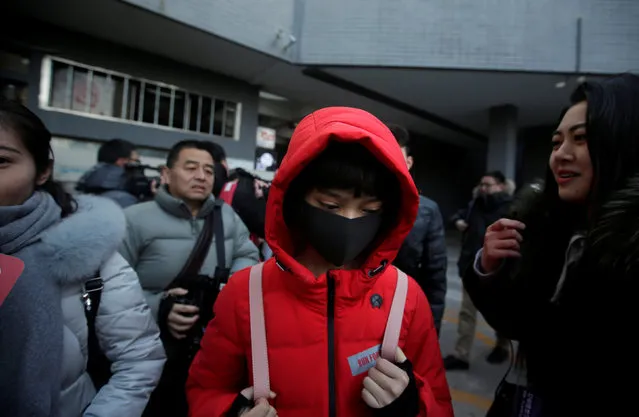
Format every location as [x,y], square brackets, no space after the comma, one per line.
[365,360]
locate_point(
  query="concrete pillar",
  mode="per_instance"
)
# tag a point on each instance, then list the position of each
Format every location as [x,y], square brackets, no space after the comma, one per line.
[502,140]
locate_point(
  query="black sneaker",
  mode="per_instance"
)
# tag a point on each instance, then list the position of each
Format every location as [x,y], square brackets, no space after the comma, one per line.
[498,355]
[453,363]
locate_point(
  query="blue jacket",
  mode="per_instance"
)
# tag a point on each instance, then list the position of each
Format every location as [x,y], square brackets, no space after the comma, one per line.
[107,181]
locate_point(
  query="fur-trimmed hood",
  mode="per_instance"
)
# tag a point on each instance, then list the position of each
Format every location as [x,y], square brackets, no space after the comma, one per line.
[79,244]
[612,243]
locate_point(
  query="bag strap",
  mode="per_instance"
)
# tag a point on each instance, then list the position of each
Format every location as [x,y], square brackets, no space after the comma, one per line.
[200,249]
[222,273]
[91,296]
[395,318]
[259,350]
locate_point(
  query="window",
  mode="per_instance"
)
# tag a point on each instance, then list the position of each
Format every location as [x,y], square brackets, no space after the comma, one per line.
[86,90]
[14,70]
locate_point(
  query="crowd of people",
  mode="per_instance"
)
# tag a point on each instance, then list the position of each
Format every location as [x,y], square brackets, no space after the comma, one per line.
[322,293]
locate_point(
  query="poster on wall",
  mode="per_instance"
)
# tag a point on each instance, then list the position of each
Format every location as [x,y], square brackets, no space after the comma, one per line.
[99,95]
[265,138]
[265,160]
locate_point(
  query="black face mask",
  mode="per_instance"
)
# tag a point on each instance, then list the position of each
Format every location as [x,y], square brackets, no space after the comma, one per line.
[339,240]
[221,178]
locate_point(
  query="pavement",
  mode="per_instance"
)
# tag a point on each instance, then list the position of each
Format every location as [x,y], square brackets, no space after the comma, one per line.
[472,390]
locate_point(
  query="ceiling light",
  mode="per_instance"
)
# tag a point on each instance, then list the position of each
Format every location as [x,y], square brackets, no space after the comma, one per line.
[270,96]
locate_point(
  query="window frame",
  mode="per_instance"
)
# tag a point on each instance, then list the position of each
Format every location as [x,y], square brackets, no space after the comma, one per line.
[122,109]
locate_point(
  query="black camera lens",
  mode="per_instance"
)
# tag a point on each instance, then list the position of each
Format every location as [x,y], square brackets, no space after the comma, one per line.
[185,300]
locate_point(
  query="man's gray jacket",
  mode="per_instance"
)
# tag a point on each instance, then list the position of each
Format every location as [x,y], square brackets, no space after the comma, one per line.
[161,235]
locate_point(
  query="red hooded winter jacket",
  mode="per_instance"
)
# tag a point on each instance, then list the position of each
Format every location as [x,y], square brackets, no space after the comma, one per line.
[307,339]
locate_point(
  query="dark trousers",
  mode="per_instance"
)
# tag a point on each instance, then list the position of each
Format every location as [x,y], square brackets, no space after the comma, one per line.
[169,398]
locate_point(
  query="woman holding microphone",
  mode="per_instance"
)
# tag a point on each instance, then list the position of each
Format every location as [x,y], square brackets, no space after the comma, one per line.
[560,276]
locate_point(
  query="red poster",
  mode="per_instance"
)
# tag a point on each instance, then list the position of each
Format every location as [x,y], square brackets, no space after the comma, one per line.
[10,269]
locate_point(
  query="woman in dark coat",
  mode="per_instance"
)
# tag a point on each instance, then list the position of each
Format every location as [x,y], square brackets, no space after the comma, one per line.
[560,276]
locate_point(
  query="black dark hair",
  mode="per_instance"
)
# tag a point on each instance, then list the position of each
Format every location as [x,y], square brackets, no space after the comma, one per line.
[174,153]
[346,166]
[216,150]
[115,149]
[37,139]
[497,175]
[612,132]
[401,136]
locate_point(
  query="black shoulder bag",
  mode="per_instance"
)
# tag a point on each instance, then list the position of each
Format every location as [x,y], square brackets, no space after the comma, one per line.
[202,289]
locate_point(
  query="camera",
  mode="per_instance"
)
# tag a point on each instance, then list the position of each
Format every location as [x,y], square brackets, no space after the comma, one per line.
[137,182]
[186,300]
[195,297]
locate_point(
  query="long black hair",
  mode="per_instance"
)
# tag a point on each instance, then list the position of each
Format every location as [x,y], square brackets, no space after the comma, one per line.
[612,128]
[36,138]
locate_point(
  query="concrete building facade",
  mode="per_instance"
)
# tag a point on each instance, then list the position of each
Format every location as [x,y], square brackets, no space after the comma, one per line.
[478,83]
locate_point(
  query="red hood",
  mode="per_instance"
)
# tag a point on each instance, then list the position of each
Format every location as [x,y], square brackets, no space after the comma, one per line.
[309,139]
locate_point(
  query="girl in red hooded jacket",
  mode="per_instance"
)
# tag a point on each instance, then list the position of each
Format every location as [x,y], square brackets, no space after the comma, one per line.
[339,208]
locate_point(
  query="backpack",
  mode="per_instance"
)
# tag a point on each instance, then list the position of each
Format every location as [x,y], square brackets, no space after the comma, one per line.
[259,351]
[227,194]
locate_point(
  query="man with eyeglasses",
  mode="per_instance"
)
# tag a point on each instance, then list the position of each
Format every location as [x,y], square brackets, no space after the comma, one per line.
[492,202]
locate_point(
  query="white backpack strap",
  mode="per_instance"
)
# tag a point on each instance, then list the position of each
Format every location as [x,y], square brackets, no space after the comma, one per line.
[394,324]
[259,352]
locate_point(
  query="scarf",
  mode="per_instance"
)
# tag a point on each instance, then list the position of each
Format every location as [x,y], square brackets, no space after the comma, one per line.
[31,319]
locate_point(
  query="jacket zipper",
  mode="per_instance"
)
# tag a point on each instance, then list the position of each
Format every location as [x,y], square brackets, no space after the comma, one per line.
[331,345]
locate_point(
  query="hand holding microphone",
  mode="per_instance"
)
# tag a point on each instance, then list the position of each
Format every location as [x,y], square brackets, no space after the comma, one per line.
[502,240]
